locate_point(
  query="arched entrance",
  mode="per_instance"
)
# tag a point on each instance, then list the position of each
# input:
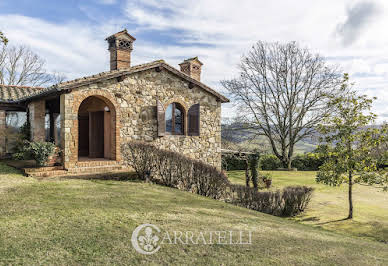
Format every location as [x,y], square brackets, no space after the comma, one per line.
[96,128]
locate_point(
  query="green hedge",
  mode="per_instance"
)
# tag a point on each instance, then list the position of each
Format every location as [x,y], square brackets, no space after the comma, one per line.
[269,162]
[307,162]
[230,163]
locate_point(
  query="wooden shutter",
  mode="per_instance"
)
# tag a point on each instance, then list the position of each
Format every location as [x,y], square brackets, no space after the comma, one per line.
[194,120]
[161,119]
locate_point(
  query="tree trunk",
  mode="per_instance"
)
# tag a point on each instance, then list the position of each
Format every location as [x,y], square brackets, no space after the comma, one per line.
[350,196]
[289,165]
[286,164]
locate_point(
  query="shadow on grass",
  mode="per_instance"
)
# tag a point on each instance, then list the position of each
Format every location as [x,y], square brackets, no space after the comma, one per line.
[334,221]
[310,219]
[112,176]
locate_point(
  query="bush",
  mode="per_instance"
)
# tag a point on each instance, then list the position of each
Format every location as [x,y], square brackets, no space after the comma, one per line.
[288,202]
[269,162]
[230,163]
[38,151]
[307,162]
[174,170]
[296,199]
[254,164]
[267,179]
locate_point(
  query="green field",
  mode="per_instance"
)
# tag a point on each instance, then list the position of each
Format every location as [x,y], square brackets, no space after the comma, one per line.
[81,222]
[329,205]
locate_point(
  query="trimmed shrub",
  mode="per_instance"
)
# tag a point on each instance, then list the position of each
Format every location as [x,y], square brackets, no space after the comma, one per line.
[269,162]
[174,170]
[296,199]
[288,202]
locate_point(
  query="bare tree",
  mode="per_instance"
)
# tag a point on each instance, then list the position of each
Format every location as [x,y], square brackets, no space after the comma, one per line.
[21,66]
[282,93]
[3,39]
[57,78]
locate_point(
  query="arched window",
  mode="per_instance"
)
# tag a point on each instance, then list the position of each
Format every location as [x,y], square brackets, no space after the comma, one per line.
[174,117]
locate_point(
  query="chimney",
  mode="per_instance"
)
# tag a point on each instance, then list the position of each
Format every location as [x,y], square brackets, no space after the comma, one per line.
[192,67]
[120,48]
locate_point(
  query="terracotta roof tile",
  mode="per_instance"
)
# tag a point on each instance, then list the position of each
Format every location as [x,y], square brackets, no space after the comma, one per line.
[13,92]
[33,91]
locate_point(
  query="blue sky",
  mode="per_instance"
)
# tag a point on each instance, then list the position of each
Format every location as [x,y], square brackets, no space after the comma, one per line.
[70,34]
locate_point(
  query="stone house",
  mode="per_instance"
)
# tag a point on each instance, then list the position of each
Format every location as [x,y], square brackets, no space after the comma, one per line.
[89,117]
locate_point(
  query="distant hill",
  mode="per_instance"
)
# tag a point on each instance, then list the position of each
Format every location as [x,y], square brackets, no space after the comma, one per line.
[235,136]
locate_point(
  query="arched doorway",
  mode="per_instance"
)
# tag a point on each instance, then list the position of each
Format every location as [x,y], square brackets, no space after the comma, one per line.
[96,128]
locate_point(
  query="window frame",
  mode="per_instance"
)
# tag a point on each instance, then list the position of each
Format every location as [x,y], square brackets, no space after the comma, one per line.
[176,105]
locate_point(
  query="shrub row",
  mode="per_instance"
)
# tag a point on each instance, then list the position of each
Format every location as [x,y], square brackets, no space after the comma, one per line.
[175,170]
[288,202]
[269,162]
[306,162]
[172,169]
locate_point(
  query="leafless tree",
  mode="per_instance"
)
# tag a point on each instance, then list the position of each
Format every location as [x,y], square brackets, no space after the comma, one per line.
[3,39]
[57,78]
[282,93]
[19,65]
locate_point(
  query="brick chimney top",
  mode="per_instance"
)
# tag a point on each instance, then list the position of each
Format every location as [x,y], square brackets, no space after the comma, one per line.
[120,48]
[192,67]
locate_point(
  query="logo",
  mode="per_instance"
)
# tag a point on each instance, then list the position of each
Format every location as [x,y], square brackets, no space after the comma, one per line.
[145,240]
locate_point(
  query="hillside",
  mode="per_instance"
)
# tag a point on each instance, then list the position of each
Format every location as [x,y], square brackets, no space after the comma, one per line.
[237,137]
[79,221]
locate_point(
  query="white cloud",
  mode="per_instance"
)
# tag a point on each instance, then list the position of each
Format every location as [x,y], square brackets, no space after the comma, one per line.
[216,32]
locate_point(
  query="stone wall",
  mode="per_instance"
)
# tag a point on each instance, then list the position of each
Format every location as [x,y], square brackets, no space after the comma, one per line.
[37,116]
[134,102]
[2,133]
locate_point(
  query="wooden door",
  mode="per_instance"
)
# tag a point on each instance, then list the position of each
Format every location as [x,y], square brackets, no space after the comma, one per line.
[96,134]
[107,135]
[83,135]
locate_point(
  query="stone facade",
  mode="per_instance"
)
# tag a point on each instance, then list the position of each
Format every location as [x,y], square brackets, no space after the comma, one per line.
[2,134]
[37,119]
[132,101]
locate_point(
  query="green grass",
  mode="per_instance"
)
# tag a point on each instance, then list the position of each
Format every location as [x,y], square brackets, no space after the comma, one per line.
[90,222]
[329,205]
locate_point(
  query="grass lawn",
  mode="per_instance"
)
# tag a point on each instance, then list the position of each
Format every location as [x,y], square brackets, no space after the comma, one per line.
[329,205]
[90,222]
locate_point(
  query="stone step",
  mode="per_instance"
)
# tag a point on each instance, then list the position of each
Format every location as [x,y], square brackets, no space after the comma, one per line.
[95,169]
[96,163]
[108,168]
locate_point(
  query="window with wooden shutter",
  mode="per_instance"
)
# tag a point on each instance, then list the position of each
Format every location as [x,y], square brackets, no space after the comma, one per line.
[161,118]
[175,120]
[194,120]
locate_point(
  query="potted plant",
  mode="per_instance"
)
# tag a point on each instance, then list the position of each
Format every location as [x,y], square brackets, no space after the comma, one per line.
[267,180]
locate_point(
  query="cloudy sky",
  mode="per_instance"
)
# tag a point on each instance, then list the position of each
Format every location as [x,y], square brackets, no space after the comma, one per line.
[70,34]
